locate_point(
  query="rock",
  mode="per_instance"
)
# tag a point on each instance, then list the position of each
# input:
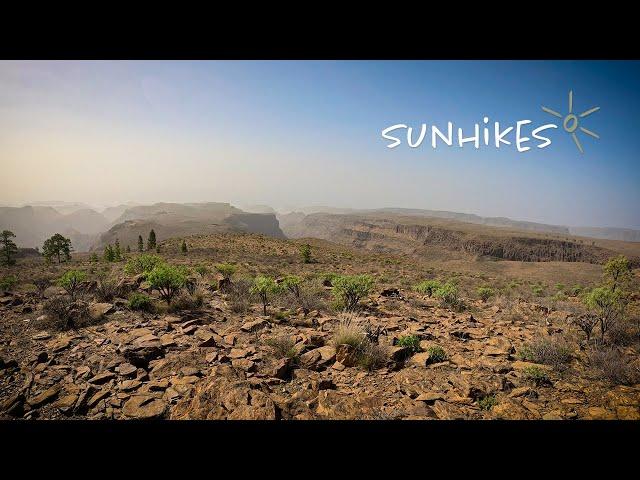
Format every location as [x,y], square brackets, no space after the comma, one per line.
[126,369]
[627,413]
[101,394]
[59,344]
[338,366]
[522,392]
[44,397]
[282,369]
[254,325]
[101,378]
[144,407]
[158,385]
[42,335]
[99,310]
[319,357]
[346,355]
[398,353]
[241,352]
[129,385]
[430,397]
[519,366]
[13,405]
[141,356]
[147,341]
[391,292]
[599,413]
[210,342]
[244,364]
[554,415]
[511,410]
[189,330]
[421,359]
[447,411]
[167,340]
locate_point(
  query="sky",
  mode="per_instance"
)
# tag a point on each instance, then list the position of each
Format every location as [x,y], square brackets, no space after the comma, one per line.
[298,133]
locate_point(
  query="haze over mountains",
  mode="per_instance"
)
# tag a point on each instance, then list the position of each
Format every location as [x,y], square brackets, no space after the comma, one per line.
[92,228]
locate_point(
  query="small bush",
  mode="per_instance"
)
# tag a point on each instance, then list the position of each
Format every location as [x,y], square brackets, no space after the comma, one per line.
[487,403]
[71,281]
[283,347]
[347,332]
[201,270]
[576,290]
[188,301]
[348,290]
[538,290]
[64,313]
[168,280]
[141,302]
[106,289]
[412,342]
[449,297]
[548,351]
[428,287]
[142,264]
[536,375]
[226,270]
[372,356]
[436,354]
[239,296]
[7,283]
[613,366]
[485,293]
[305,253]
[264,287]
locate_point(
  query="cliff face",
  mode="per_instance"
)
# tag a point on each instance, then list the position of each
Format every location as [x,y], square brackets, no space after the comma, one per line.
[264,223]
[412,235]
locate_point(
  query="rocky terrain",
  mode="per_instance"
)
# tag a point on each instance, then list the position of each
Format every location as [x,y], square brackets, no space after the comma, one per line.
[211,361]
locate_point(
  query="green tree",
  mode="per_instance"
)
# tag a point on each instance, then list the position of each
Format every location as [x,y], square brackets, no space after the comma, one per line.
[140,244]
[117,251]
[350,289]
[71,281]
[264,287]
[8,249]
[109,254]
[609,305]
[57,246]
[183,248]
[305,253]
[168,280]
[142,264]
[291,283]
[151,241]
[617,272]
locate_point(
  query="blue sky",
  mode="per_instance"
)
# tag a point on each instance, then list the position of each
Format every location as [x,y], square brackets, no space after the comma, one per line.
[309,133]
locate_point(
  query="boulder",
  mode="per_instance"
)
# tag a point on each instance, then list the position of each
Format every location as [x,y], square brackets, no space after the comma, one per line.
[144,407]
[99,310]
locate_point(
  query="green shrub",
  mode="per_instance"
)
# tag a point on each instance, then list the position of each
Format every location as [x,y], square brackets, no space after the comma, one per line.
[538,290]
[305,253]
[140,301]
[576,290]
[412,342]
[448,295]
[436,354]
[201,270]
[487,403]
[264,286]
[428,287]
[7,283]
[142,264]
[536,375]
[560,287]
[549,351]
[348,290]
[485,293]
[168,280]
[291,283]
[283,347]
[71,281]
[226,270]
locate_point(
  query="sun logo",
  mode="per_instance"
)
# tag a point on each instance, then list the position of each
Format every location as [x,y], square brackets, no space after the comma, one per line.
[571,123]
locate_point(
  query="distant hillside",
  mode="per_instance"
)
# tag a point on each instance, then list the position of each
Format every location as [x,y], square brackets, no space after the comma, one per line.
[418,235]
[624,234]
[178,220]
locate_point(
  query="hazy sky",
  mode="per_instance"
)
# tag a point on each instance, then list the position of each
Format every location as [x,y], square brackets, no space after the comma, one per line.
[292,134]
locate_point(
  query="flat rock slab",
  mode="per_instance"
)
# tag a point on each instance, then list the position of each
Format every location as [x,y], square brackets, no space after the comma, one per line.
[144,407]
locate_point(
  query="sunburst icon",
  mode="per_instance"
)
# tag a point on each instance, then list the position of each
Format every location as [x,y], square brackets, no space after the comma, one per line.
[571,121]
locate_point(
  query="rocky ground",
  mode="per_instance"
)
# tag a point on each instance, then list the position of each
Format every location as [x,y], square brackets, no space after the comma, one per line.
[212,363]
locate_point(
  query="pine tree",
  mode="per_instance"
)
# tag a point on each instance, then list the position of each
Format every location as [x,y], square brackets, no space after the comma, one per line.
[57,246]
[109,255]
[117,251]
[7,248]
[184,246]
[140,244]
[151,242]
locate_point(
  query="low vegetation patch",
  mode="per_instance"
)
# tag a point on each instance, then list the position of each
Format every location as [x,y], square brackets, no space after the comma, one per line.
[412,342]
[549,351]
[536,375]
[140,302]
[436,354]
[142,264]
[8,283]
[428,287]
[348,290]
